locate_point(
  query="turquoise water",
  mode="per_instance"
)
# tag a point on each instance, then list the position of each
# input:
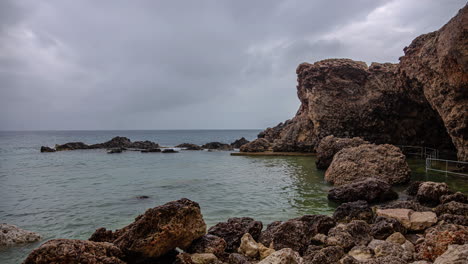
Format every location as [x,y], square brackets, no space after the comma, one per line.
[70,194]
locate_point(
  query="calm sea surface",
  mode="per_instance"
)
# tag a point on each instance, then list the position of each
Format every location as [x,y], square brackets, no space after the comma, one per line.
[70,194]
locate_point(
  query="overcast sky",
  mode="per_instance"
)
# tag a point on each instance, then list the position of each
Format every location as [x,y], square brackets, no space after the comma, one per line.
[86,64]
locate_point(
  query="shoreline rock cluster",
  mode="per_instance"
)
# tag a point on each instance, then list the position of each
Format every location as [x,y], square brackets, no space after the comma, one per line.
[120,144]
[411,231]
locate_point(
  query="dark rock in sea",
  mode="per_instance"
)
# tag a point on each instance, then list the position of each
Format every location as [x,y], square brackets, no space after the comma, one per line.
[144,145]
[384,162]
[169,151]
[115,150]
[217,146]
[453,207]
[438,238]
[258,145]
[456,197]
[370,190]
[142,197]
[71,146]
[239,143]
[431,192]
[208,244]
[158,231]
[385,226]
[47,149]
[454,219]
[296,233]
[233,230]
[123,142]
[409,204]
[359,210]
[188,146]
[151,150]
[72,251]
[330,145]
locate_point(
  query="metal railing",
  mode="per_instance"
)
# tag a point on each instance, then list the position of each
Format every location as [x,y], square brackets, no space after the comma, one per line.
[447,166]
[421,152]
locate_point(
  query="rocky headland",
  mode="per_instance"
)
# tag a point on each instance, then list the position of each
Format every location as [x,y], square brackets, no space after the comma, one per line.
[421,101]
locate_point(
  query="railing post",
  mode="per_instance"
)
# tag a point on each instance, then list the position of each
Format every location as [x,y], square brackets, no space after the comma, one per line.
[446,168]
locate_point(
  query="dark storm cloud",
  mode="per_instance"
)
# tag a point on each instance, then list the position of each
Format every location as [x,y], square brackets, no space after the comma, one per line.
[185,64]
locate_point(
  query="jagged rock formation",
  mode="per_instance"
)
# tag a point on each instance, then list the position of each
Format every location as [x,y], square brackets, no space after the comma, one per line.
[421,101]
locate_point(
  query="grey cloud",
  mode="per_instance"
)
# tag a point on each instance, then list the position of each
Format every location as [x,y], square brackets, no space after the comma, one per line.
[184,64]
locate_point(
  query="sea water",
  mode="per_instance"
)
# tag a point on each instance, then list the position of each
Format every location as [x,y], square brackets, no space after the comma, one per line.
[69,194]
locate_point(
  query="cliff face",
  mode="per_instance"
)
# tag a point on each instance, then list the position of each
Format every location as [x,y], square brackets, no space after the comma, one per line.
[421,101]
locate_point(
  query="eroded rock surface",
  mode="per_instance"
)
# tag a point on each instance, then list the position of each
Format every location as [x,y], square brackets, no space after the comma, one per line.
[12,235]
[330,145]
[370,190]
[239,142]
[258,145]
[233,230]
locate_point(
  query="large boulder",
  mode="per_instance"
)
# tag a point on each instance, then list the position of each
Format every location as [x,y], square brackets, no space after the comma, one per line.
[358,210]
[437,239]
[410,219]
[73,251]
[384,162]
[355,233]
[239,142]
[431,192]
[453,207]
[217,146]
[12,235]
[295,233]
[158,231]
[233,230]
[370,190]
[258,145]
[330,145]
[457,197]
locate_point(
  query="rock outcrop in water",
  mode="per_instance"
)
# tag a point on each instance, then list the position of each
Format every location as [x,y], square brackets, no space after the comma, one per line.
[383,162]
[217,146]
[239,143]
[114,143]
[11,235]
[258,145]
[330,145]
[421,101]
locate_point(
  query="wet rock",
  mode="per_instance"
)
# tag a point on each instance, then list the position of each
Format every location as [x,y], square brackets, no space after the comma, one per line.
[330,145]
[328,255]
[454,219]
[12,235]
[115,150]
[208,244]
[411,204]
[361,253]
[73,251]
[430,192]
[258,145]
[385,226]
[71,146]
[283,256]
[356,233]
[295,233]
[453,207]
[455,254]
[239,142]
[151,150]
[438,238]
[169,150]
[384,162]
[233,230]
[370,190]
[358,210]
[456,197]
[47,149]
[217,146]
[189,146]
[142,197]
[236,258]
[248,246]
[158,230]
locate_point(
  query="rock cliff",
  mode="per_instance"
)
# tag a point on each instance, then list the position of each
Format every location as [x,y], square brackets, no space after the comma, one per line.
[422,101]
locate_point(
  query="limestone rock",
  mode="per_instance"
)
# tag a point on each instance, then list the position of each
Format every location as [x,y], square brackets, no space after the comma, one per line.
[385,226]
[283,256]
[358,210]
[438,238]
[411,204]
[361,253]
[233,230]
[328,255]
[456,197]
[330,145]
[384,248]
[355,233]
[396,238]
[430,192]
[453,207]
[12,235]
[454,219]
[236,258]
[258,145]
[208,244]
[384,162]
[73,251]
[158,230]
[455,254]
[409,219]
[370,190]
[248,246]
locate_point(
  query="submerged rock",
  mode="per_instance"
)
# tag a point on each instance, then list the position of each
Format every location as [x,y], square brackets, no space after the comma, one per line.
[384,162]
[12,235]
[258,145]
[331,145]
[370,190]
[151,150]
[239,143]
[72,251]
[115,150]
[47,149]
[217,146]
[158,230]
[233,230]
[189,146]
